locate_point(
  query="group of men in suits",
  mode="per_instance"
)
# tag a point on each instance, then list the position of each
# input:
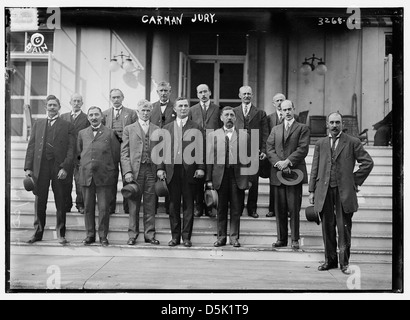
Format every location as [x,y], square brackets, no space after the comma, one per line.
[94,148]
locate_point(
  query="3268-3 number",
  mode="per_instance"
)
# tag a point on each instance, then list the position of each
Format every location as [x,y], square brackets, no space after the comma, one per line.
[332,20]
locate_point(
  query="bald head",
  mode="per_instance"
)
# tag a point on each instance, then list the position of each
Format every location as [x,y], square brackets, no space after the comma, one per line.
[277,99]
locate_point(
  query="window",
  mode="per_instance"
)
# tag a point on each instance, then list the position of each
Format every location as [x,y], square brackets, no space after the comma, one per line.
[217,44]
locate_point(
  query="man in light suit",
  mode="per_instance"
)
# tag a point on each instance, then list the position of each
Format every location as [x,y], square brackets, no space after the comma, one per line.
[99,151]
[138,167]
[162,114]
[333,186]
[49,157]
[207,115]
[287,148]
[224,174]
[80,121]
[249,117]
[116,118]
[183,171]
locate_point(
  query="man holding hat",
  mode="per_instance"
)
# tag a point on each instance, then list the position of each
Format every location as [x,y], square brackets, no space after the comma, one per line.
[49,157]
[99,151]
[333,186]
[287,148]
[224,174]
[139,168]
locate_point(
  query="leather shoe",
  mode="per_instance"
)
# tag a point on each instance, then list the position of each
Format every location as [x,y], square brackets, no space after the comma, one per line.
[152,241]
[327,266]
[198,211]
[270,214]
[131,241]
[295,244]
[62,241]
[88,240]
[253,214]
[346,269]
[211,214]
[187,243]
[104,242]
[219,243]
[33,239]
[236,244]
[173,243]
[279,244]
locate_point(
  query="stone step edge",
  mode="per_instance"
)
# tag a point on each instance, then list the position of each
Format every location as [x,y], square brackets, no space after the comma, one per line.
[202,232]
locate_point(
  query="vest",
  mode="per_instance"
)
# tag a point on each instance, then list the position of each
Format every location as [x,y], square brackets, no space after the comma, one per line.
[49,137]
[117,123]
[333,179]
[146,157]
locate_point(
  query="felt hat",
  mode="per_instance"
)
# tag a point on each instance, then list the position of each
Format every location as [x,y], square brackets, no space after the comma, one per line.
[311,215]
[264,168]
[290,179]
[161,188]
[130,191]
[211,198]
[28,183]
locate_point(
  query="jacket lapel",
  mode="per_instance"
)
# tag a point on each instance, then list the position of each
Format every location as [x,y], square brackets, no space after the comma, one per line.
[291,129]
[340,145]
[210,111]
[252,112]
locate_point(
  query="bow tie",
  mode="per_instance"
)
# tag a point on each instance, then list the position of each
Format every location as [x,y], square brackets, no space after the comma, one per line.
[94,129]
[163,103]
[228,131]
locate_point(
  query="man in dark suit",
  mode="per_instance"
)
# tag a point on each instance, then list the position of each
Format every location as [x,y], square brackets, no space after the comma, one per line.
[207,115]
[287,148]
[99,151]
[224,174]
[139,167]
[184,168]
[162,114]
[274,119]
[333,186]
[80,121]
[49,157]
[252,119]
[116,118]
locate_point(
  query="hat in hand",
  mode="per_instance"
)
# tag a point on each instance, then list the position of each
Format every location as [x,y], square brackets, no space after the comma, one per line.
[161,188]
[311,215]
[211,198]
[131,191]
[28,183]
[290,179]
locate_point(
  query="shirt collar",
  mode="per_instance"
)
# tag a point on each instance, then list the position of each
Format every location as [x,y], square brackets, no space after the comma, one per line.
[338,136]
[76,113]
[206,103]
[53,118]
[289,121]
[182,120]
[120,108]
[142,122]
[97,127]
[232,129]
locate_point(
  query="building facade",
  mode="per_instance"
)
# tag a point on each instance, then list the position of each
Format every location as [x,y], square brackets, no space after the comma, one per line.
[73,51]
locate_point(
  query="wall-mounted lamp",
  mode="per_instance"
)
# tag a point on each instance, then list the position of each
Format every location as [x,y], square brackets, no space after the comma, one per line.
[308,67]
[125,63]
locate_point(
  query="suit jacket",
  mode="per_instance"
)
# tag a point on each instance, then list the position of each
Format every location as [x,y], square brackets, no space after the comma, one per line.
[133,146]
[99,156]
[257,120]
[348,151]
[213,116]
[195,135]
[216,160]
[128,116]
[63,142]
[81,122]
[295,148]
[156,114]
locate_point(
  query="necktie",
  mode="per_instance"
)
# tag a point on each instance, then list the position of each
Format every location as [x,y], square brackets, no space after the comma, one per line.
[280,119]
[118,114]
[245,110]
[226,150]
[287,126]
[334,139]
[50,122]
[145,127]
[94,129]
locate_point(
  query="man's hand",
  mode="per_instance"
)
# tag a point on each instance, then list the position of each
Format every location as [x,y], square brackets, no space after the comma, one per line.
[262,156]
[312,198]
[161,174]
[29,173]
[62,174]
[199,174]
[128,177]
[209,185]
[282,164]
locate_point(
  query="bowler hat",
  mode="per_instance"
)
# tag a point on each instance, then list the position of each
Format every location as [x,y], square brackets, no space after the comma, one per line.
[161,188]
[28,183]
[311,215]
[264,168]
[290,179]
[211,198]
[131,191]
